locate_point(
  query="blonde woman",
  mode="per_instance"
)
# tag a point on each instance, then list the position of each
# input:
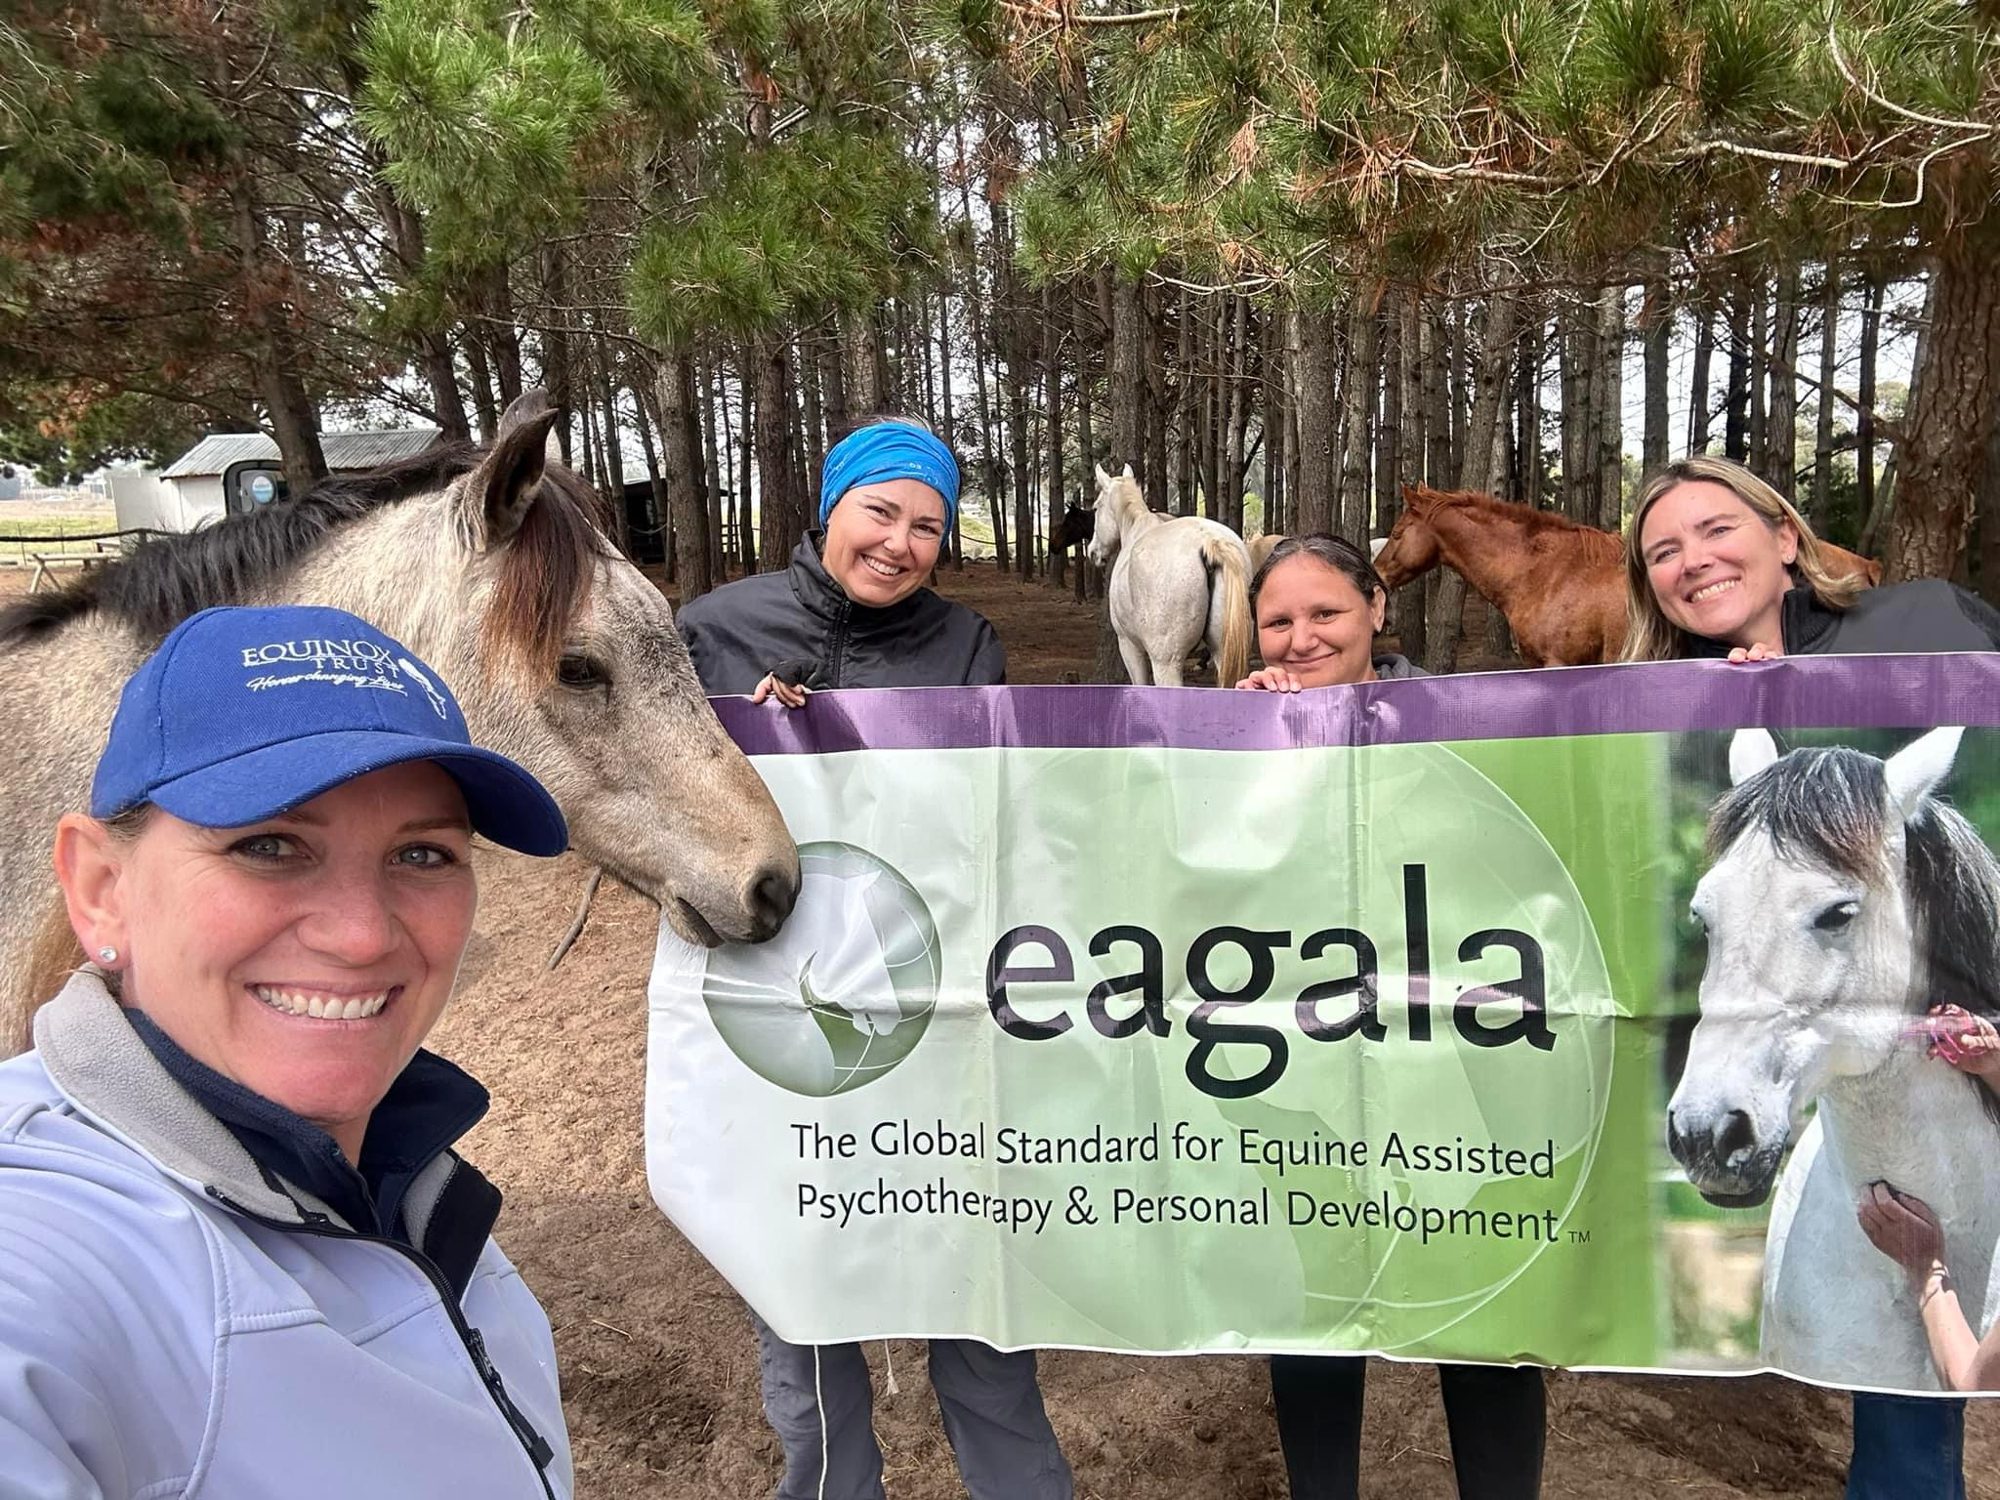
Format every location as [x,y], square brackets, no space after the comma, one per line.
[1719,564]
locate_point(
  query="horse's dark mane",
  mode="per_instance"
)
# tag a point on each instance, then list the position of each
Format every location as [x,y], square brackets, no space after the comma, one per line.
[164,580]
[1822,806]
[1826,806]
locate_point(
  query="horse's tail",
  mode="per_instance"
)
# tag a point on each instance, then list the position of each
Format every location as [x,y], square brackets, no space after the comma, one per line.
[1229,595]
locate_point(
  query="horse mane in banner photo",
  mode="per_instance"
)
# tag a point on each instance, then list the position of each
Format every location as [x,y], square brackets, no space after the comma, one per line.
[1540,1016]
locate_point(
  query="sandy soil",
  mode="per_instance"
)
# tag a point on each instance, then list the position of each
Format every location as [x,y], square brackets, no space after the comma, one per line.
[657,1357]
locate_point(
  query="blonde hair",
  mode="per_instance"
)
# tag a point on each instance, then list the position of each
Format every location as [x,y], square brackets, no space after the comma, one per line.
[1651,636]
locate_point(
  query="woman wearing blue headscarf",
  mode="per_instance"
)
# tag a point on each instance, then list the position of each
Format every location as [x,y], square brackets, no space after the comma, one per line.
[852,612]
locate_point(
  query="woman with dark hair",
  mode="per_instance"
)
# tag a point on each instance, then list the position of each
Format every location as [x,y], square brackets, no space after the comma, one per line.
[1318,603]
[1720,565]
[852,612]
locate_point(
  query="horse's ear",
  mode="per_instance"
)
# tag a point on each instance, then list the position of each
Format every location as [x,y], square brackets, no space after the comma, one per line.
[504,488]
[1102,478]
[1916,770]
[1128,474]
[1750,751]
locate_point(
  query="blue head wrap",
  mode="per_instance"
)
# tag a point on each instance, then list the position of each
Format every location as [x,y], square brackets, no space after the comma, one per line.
[888,450]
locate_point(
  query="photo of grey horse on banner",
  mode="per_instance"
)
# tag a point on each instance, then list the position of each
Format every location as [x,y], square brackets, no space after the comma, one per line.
[1843,900]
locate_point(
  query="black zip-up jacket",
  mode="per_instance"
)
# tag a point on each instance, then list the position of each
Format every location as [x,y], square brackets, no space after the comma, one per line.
[802,622]
[1923,616]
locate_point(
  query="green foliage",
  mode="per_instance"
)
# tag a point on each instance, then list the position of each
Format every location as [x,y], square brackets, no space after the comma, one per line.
[485,121]
[823,219]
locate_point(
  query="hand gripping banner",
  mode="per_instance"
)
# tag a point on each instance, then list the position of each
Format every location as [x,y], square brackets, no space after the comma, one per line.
[1562,1016]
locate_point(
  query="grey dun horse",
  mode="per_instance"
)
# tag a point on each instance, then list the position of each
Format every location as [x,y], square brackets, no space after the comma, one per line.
[494,567]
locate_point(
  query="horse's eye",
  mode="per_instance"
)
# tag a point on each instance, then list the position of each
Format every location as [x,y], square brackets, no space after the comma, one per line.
[1836,917]
[1697,920]
[575,670]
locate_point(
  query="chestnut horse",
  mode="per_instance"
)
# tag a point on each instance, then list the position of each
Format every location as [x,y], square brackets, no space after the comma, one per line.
[1560,584]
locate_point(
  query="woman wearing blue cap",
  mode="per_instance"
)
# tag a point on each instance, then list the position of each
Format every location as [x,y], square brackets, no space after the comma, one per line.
[852,612]
[238,1255]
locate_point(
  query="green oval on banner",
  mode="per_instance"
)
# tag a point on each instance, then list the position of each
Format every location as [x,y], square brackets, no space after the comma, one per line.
[845,992]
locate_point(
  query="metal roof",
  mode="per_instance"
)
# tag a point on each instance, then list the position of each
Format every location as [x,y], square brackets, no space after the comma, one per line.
[346,452]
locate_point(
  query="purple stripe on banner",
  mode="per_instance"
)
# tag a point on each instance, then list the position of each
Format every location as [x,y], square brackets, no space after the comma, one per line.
[1803,692]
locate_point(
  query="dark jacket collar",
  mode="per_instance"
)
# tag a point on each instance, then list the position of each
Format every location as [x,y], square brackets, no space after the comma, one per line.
[821,597]
[428,1107]
[1804,626]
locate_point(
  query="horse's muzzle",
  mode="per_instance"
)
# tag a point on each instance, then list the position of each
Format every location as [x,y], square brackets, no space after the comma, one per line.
[1722,1155]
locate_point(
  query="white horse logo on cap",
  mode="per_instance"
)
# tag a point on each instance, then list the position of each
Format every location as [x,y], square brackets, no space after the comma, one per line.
[430,688]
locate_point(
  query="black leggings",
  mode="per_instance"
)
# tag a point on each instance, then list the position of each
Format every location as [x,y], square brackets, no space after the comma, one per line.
[1497,1415]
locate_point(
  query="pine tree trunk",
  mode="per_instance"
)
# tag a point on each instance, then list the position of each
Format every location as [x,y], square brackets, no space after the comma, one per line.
[483,404]
[1758,433]
[812,429]
[1052,406]
[1610,403]
[1480,451]
[674,391]
[1864,419]
[659,512]
[1657,315]
[556,374]
[746,521]
[1314,367]
[777,510]
[1781,437]
[861,364]
[1211,403]
[1579,438]
[948,420]
[1528,410]
[1407,609]
[1277,454]
[1239,414]
[1020,456]
[1736,404]
[1389,425]
[1699,411]
[1819,514]
[1363,372]
[1954,398]
[1158,408]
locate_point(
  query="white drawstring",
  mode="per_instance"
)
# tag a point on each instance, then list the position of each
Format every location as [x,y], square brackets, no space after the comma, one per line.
[819,1401]
[889,1360]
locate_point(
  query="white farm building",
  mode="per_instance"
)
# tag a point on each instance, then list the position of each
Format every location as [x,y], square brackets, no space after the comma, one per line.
[237,471]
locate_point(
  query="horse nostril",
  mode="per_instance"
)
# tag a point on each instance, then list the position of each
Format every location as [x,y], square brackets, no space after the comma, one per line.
[772,896]
[1734,1136]
[1676,1142]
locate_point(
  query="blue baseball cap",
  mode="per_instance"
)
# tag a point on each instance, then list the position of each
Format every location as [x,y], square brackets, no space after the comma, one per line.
[245,713]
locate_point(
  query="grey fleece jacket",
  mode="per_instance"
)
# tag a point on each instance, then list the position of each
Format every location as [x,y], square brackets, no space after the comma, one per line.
[173,1323]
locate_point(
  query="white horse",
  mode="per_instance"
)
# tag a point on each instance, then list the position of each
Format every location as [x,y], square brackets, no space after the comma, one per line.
[1843,901]
[1177,580]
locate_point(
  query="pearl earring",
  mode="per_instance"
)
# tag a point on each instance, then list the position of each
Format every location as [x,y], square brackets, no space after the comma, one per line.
[108,955]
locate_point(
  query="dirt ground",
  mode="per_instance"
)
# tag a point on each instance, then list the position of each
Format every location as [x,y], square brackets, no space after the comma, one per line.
[659,1365]
[657,1358]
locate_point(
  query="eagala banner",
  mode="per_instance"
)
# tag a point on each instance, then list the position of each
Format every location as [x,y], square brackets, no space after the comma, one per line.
[1559,1016]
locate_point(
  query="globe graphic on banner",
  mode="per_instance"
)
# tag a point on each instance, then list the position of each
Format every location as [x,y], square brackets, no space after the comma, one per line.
[844,992]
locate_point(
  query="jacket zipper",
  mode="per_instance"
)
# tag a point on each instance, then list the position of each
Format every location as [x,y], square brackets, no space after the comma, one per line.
[539,1452]
[839,646]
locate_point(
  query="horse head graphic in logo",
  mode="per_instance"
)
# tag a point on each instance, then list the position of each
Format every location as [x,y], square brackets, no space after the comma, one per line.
[416,674]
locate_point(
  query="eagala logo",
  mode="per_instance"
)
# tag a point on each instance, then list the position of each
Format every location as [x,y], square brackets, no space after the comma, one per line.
[845,991]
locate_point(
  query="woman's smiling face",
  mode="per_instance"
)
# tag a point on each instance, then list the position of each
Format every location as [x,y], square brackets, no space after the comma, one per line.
[1717,568]
[882,540]
[1314,622]
[306,956]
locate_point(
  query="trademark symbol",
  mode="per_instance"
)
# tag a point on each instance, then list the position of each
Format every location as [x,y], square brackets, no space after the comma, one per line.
[1579,1236]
